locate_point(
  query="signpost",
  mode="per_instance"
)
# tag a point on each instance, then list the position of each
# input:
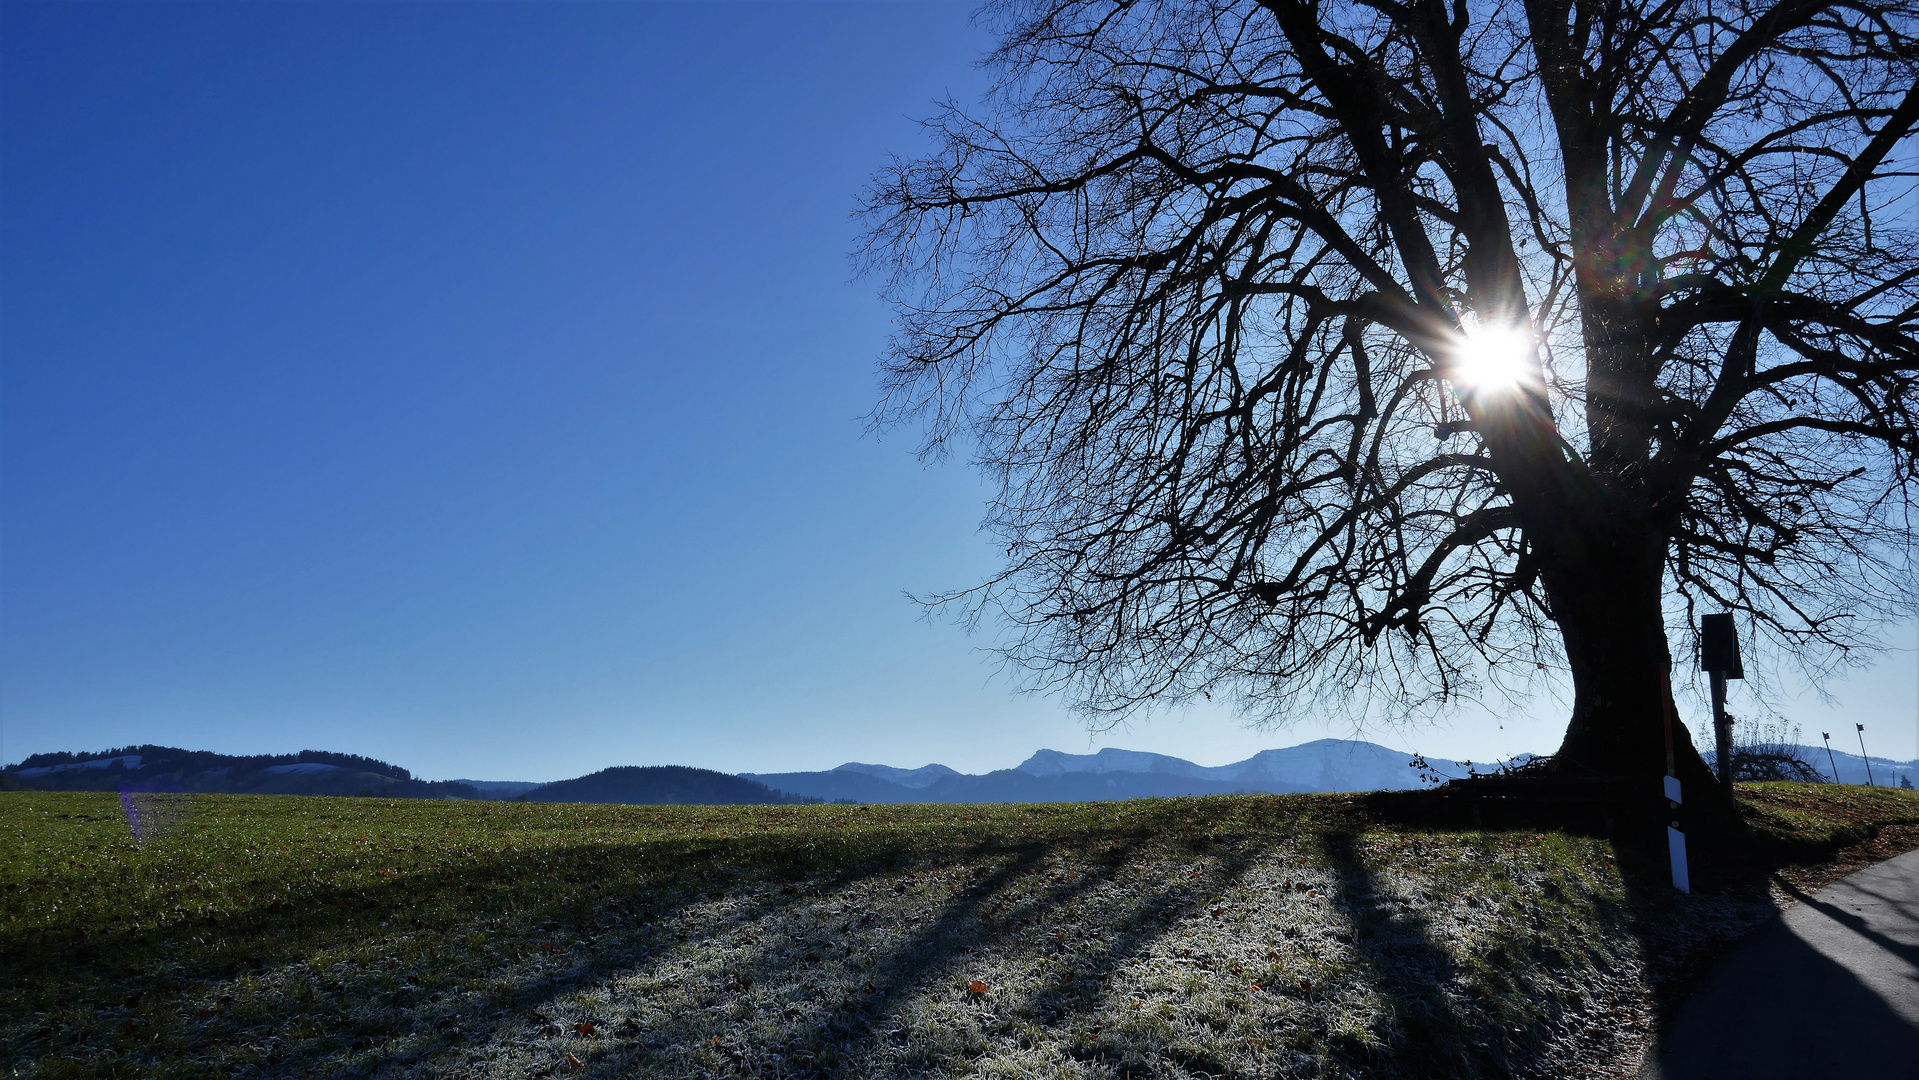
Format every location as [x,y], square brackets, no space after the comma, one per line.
[1719,658]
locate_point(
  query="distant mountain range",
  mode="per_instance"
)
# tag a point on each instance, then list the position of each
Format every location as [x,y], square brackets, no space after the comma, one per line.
[1052,776]
[1047,776]
[1852,768]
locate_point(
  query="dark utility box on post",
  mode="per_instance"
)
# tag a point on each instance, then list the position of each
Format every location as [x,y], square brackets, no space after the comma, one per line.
[1719,646]
[1719,657]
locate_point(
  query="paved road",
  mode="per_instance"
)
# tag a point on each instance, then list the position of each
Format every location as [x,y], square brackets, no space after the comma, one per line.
[1829,990]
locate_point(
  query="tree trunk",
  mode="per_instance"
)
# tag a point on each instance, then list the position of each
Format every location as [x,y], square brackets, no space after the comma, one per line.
[1607,599]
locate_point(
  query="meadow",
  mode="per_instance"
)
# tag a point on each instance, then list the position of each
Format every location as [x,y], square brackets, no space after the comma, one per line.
[278,936]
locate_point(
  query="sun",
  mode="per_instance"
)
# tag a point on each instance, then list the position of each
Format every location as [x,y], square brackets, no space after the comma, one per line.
[1493,359]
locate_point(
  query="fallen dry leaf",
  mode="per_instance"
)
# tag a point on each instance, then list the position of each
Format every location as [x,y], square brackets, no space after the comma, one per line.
[977,987]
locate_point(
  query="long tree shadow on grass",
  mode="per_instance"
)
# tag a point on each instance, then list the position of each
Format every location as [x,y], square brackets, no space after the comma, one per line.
[1444,1021]
[750,955]
[565,1010]
[173,988]
[862,1024]
[1448,1017]
[1401,963]
[857,1024]
[385,1014]
[1081,968]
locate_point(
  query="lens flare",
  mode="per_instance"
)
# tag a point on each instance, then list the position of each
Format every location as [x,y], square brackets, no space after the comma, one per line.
[1493,359]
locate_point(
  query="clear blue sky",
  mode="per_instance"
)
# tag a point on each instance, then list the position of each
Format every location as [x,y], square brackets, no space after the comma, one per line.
[480,387]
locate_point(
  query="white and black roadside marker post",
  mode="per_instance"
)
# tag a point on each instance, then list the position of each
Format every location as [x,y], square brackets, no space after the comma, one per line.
[1675,840]
[1719,658]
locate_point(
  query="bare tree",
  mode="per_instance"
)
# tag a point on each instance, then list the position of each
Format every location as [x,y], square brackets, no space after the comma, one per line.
[1344,352]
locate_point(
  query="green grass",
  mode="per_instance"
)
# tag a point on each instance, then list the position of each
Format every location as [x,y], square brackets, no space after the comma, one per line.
[1235,936]
[1806,824]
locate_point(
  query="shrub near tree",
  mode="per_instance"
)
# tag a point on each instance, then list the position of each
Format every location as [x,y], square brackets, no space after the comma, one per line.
[1345,356]
[1769,752]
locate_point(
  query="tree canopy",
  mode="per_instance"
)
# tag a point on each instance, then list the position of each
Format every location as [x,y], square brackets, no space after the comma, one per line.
[1366,346]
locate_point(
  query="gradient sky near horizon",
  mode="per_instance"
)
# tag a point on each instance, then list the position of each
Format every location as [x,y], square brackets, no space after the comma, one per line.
[481,387]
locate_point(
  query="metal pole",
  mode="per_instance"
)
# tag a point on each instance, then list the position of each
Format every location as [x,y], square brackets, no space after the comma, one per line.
[1827,735]
[1862,753]
[1722,730]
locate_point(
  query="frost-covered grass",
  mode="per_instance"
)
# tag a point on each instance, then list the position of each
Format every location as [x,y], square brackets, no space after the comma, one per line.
[1237,936]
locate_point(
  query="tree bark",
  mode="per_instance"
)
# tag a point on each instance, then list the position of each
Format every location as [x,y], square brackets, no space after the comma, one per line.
[1606,595]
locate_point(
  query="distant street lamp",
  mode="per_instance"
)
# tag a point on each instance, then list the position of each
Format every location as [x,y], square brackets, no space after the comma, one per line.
[1827,735]
[1862,753]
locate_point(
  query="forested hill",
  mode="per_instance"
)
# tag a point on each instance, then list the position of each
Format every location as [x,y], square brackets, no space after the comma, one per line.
[656,784]
[169,768]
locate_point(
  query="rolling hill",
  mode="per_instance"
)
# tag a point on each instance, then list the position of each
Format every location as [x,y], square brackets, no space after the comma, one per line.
[671,785]
[169,768]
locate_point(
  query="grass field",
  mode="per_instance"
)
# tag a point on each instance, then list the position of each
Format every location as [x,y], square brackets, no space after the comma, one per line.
[1236,936]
